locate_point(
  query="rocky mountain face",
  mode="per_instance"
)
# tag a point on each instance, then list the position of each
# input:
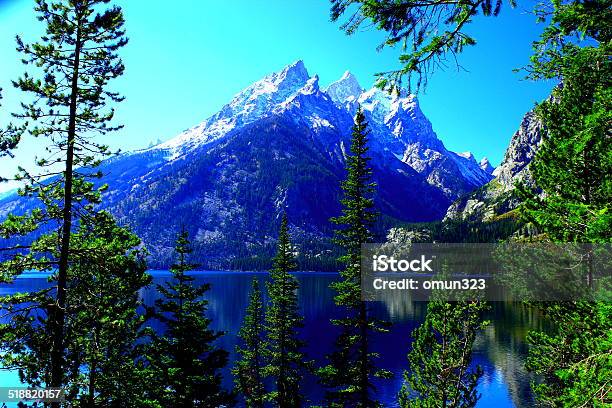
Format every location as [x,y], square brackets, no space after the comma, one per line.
[401,131]
[278,145]
[523,147]
[486,166]
[496,197]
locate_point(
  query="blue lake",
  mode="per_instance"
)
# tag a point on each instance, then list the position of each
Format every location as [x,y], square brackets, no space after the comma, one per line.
[500,349]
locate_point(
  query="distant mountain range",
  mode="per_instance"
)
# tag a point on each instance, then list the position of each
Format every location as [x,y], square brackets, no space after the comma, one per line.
[280,145]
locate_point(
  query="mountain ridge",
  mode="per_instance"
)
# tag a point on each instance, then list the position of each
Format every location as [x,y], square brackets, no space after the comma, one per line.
[280,145]
[397,122]
[497,198]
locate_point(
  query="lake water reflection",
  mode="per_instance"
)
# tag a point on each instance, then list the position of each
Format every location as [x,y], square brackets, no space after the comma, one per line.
[500,349]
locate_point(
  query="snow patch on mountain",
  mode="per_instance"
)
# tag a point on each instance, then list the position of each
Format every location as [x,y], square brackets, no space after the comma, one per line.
[317,122]
[345,90]
[470,169]
[398,126]
[467,155]
[249,105]
[486,166]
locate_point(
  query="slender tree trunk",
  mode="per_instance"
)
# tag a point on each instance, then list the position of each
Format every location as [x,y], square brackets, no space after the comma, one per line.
[282,374]
[588,257]
[57,353]
[587,248]
[364,354]
[363,318]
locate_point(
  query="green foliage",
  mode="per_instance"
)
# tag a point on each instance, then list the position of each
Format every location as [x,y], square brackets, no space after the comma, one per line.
[103,323]
[440,373]
[469,231]
[73,63]
[9,138]
[105,275]
[569,25]
[575,360]
[285,361]
[572,169]
[183,363]
[573,165]
[249,368]
[429,32]
[574,162]
[351,369]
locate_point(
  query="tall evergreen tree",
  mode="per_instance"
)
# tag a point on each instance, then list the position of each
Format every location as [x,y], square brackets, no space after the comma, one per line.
[184,363]
[76,58]
[574,162]
[440,374]
[572,169]
[351,370]
[249,369]
[285,360]
[574,360]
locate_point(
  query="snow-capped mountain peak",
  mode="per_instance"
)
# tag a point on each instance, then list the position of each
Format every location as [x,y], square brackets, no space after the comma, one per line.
[279,85]
[346,89]
[401,115]
[252,103]
[486,166]
[311,87]
[376,102]
[467,155]
[400,130]
[295,71]
[261,97]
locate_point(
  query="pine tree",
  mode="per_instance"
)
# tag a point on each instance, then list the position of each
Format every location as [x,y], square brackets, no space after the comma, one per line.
[106,274]
[103,322]
[285,360]
[572,169]
[249,369]
[184,363]
[440,374]
[573,164]
[351,369]
[76,58]
[574,361]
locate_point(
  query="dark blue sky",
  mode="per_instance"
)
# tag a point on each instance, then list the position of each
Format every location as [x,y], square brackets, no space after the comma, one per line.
[186,58]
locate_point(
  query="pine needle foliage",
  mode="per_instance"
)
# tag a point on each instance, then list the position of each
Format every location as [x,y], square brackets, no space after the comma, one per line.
[349,376]
[440,372]
[429,33]
[249,368]
[286,364]
[183,360]
[68,105]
